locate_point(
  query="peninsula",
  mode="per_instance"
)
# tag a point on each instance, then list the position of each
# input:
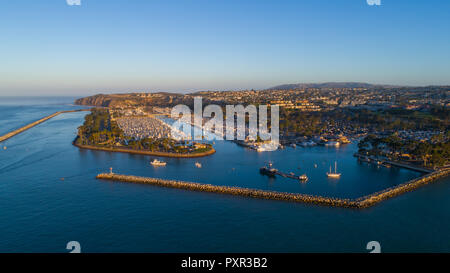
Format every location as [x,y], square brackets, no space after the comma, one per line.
[112,131]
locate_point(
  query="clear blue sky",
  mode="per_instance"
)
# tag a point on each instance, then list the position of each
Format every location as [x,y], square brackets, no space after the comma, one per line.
[50,48]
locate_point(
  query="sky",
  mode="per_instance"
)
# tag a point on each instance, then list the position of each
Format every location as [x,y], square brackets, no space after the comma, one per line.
[48,47]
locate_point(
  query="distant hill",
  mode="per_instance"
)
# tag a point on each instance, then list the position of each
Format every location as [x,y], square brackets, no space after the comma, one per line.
[330,85]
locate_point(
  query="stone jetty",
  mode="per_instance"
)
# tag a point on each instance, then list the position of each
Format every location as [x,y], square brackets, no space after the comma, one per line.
[26,127]
[363,202]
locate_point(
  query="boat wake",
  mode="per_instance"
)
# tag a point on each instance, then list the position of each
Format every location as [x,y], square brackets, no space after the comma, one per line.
[26,161]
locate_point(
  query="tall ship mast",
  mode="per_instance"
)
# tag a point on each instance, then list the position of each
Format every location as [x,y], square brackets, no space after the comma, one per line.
[334,174]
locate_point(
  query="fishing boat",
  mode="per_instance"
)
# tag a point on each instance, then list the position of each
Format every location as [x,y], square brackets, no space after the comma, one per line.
[198,164]
[156,162]
[303,177]
[334,174]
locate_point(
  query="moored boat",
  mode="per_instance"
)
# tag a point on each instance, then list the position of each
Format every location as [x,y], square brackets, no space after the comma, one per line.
[334,174]
[303,177]
[268,147]
[156,162]
[268,170]
[332,144]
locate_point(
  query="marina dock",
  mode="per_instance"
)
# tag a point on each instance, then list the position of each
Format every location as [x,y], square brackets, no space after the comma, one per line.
[384,162]
[26,127]
[272,172]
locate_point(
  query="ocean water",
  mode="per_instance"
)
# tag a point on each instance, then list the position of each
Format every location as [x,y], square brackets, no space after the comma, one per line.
[41,212]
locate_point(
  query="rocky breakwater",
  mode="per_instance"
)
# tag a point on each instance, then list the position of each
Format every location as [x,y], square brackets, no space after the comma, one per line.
[359,203]
[26,127]
[246,192]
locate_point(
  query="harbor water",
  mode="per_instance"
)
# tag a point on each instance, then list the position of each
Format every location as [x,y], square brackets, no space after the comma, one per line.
[49,196]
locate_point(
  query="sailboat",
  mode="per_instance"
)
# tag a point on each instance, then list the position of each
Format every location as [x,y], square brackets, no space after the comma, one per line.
[335,174]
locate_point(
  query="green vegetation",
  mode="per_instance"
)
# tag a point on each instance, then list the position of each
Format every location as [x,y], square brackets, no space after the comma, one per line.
[101,131]
[425,153]
[351,120]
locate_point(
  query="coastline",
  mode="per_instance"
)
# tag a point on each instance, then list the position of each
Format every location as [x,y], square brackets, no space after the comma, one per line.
[130,151]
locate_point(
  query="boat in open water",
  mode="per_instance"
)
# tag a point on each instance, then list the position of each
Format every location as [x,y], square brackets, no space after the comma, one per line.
[332,144]
[334,174]
[156,162]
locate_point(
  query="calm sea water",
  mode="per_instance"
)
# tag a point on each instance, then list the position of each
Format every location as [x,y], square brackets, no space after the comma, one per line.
[39,212]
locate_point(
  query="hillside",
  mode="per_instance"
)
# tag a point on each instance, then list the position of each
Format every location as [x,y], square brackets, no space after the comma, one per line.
[329,85]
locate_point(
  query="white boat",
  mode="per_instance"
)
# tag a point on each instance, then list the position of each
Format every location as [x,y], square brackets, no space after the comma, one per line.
[303,177]
[198,164]
[308,143]
[335,174]
[267,147]
[333,144]
[156,162]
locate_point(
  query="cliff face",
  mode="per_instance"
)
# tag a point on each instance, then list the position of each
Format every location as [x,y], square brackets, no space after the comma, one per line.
[132,100]
[97,100]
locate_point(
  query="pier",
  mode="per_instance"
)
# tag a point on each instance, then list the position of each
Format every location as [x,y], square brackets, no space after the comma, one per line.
[26,127]
[359,203]
[272,172]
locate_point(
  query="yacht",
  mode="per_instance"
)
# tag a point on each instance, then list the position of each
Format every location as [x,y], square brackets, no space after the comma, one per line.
[308,143]
[267,147]
[333,144]
[303,177]
[334,174]
[156,162]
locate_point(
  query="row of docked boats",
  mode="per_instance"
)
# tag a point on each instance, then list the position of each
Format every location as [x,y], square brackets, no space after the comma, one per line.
[374,161]
[326,144]
[333,142]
